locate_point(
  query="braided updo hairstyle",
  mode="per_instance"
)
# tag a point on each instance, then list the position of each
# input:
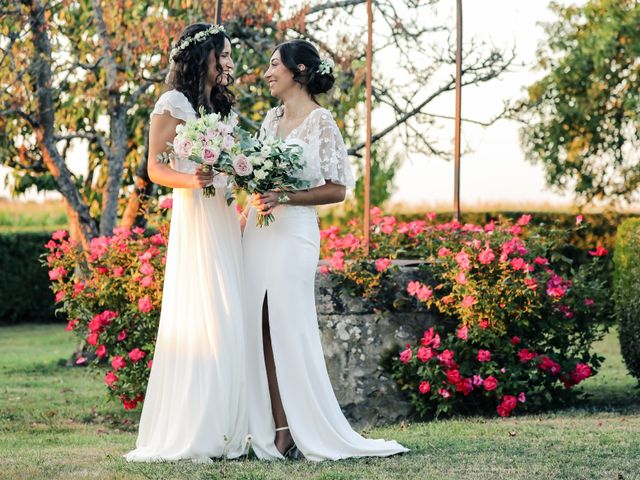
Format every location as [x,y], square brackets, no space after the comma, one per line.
[301,52]
[190,70]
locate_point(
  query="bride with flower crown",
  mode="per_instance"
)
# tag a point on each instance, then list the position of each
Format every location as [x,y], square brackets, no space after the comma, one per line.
[195,404]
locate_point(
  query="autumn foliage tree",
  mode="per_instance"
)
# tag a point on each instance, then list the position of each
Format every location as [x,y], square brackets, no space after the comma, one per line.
[83,75]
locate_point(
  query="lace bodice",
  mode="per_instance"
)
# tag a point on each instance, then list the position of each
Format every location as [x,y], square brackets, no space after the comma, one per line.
[324,151]
[179,107]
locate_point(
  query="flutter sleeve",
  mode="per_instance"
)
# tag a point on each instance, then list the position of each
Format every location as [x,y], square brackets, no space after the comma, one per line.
[334,160]
[176,104]
[266,129]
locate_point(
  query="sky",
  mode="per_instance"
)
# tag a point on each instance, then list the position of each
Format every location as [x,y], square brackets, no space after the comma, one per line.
[494,170]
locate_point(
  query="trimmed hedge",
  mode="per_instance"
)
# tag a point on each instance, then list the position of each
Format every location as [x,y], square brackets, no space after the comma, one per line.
[25,296]
[626,289]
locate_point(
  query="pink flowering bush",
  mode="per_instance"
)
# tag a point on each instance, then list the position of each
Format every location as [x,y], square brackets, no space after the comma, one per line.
[517,316]
[112,296]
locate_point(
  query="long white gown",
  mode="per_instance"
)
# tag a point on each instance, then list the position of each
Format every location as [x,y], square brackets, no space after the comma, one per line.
[195,404]
[280,261]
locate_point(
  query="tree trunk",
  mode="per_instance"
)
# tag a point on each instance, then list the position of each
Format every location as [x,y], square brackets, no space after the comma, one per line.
[45,133]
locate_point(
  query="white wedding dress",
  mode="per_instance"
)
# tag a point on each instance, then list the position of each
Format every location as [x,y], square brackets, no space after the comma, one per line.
[195,405]
[280,261]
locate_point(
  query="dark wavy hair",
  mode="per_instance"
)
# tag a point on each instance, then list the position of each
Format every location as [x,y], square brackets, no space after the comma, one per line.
[191,67]
[301,52]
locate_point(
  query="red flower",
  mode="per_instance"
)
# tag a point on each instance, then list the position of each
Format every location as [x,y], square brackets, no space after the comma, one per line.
[462,333]
[144,304]
[77,288]
[531,283]
[101,351]
[469,301]
[549,365]
[424,293]
[71,324]
[461,278]
[453,376]
[92,339]
[424,354]
[118,362]
[157,239]
[110,378]
[518,264]
[490,383]
[413,287]
[600,251]
[526,356]
[57,273]
[150,363]
[541,261]
[581,372]
[524,220]
[60,296]
[382,264]
[444,252]
[462,258]
[446,358]
[484,323]
[136,354]
[444,393]
[515,340]
[502,411]
[59,235]
[146,269]
[486,256]
[122,335]
[127,403]
[465,386]
[337,260]
[509,401]
[430,338]
[424,387]
[484,356]
[405,355]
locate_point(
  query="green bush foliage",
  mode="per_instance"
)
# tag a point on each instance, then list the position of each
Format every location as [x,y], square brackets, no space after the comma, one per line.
[24,288]
[517,316]
[627,292]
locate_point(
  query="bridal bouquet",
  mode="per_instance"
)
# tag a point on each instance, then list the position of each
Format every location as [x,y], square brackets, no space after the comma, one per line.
[207,140]
[259,166]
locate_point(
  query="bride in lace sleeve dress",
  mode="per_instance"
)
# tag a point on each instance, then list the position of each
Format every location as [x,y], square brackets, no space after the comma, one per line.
[195,403]
[292,403]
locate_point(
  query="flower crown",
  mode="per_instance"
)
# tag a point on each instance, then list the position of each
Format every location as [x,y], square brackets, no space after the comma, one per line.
[326,65]
[197,38]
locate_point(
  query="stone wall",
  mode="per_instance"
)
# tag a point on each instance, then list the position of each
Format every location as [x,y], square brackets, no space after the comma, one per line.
[356,340]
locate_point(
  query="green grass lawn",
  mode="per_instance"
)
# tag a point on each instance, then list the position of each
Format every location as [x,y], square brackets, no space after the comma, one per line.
[55,424]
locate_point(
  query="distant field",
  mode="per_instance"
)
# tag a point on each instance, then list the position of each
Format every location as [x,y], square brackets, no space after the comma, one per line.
[16,214]
[52,214]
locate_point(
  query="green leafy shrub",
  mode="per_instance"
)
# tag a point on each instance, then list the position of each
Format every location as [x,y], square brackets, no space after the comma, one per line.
[627,292]
[112,296]
[518,316]
[24,288]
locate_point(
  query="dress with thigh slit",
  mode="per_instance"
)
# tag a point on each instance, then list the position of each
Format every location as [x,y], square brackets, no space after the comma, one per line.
[280,263]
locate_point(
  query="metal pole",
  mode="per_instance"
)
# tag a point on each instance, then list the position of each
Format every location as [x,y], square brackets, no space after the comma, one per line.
[219,12]
[367,168]
[456,145]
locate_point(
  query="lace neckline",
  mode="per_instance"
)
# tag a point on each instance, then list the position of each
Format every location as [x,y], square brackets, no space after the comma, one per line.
[298,127]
